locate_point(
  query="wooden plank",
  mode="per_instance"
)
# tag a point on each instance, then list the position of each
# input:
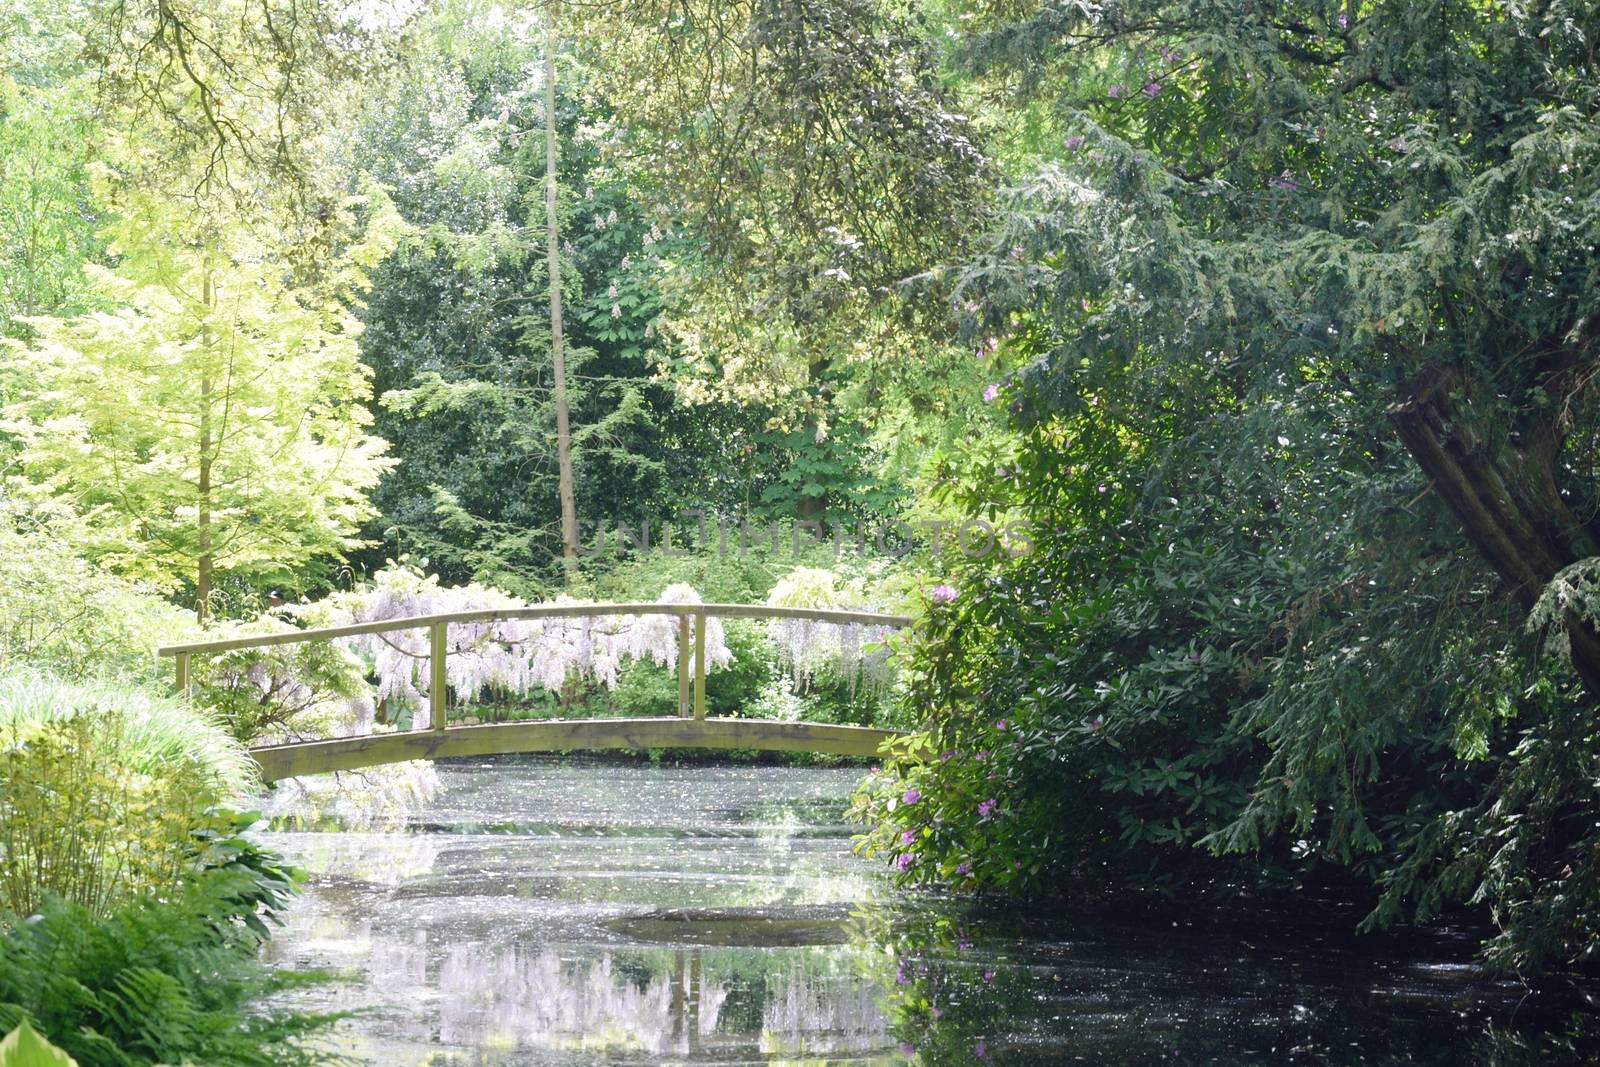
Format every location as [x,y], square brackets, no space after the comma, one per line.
[438,675]
[700,666]
[541,611]
[568,735]
[683,666]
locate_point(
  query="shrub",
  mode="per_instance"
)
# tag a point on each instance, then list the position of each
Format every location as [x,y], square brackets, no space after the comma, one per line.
[101,787]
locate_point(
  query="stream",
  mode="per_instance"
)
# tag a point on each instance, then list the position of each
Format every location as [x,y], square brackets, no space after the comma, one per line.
[576,911]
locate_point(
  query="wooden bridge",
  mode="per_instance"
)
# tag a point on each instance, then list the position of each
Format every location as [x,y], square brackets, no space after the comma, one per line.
[691,728]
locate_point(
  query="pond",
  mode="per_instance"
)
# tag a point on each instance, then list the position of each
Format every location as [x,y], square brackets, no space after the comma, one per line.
[575,911]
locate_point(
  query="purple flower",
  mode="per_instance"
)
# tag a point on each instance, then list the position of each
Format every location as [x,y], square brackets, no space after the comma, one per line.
[1000,724]
[907,836]
[988,976]
[1100,488]
[980,755]
[947,754]
[981,1049]
[911,796]
[907,1049]
[986,808]
[963,869]
[990,345]
[903,861]
[990,393]
[943,594]
[1074,142]
[1344,21]
[1115,92]
[1098,722]
[1168,55]
[1152,89]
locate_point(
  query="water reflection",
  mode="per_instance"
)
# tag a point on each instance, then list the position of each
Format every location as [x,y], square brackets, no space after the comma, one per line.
[566,913]
[561,913]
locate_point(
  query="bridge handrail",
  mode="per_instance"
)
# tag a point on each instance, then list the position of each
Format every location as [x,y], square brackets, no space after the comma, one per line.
[691,633]
[538,611]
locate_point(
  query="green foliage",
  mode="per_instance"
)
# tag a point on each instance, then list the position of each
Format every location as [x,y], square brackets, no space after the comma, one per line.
[1302,425]
[165,980]
[101,789]
[48,219]
[212,422]
[64,614]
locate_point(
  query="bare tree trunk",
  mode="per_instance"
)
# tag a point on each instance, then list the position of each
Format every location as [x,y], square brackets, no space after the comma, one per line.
[569,511]
[205,561]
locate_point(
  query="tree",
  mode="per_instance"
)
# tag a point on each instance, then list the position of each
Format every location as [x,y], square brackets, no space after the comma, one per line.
[212,422]
[558,363]
[1298,302]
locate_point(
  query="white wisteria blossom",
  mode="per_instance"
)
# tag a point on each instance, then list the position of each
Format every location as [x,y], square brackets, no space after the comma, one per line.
[852,651]
[497,656]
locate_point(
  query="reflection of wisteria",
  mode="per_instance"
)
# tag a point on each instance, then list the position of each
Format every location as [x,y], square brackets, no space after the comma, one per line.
[804,1015]
[537,999]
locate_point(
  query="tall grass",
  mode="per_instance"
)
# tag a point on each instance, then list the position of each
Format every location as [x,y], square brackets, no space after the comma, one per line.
[143,731]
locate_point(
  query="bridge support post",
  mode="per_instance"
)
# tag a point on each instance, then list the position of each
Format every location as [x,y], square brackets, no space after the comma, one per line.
[684,710]
[438,649]
[700,665]
[183,671]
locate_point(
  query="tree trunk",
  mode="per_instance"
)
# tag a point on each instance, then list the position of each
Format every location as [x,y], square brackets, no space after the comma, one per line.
[1502,487]
[569,511]
[205,560]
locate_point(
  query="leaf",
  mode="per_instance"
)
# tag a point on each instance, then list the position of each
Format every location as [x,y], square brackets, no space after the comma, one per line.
[23,1047]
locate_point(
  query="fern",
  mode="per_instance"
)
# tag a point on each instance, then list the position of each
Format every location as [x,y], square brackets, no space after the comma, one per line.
[165,981]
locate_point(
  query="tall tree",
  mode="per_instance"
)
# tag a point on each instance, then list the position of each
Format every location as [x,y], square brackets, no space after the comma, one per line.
[558,361]
[212,421]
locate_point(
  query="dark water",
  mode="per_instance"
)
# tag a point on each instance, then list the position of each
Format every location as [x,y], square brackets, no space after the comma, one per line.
[573,912]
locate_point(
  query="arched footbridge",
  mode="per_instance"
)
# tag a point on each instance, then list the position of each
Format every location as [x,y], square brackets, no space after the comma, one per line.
[691,728]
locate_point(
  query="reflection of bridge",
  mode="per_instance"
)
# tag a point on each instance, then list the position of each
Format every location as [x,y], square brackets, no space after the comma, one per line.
[690,729]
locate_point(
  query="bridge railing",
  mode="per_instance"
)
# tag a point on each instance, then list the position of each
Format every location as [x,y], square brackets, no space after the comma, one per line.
[691,629]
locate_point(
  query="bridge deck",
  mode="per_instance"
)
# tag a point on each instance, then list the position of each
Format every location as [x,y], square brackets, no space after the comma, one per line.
[566,735]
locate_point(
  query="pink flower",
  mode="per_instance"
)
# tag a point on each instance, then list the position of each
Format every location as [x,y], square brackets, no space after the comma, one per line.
[907,836]
[943,594]
[980,755]
[1152,89]
[990,393]
[986,808]
[911,796]
[963,869]
[1074,142]
[1000,724]
[990,346]
[903,861]
[981,1049]
[1098,722]
[1344,21]
[1115,92]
